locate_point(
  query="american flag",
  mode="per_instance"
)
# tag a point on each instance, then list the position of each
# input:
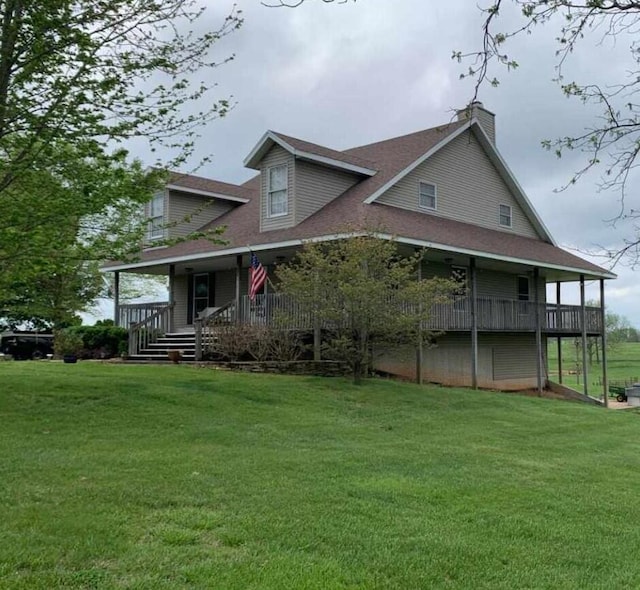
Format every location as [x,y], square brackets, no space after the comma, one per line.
[257,276]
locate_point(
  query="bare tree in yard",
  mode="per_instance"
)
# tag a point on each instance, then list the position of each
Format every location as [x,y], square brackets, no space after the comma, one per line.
[611,141]
[363,292]
[78,80]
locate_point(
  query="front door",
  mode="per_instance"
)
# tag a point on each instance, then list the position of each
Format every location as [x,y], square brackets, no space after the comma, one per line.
[200,293]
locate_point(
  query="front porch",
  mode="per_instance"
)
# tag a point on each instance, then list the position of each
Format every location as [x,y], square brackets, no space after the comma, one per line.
[492,315]
[503,298]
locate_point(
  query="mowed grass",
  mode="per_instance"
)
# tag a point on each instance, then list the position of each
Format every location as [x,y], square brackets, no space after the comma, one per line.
[175,477]
[623,364]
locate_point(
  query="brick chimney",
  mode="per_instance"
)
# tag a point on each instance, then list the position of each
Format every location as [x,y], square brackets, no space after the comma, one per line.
[486,118]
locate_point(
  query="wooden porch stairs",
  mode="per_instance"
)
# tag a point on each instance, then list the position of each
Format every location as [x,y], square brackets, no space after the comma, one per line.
[159,351]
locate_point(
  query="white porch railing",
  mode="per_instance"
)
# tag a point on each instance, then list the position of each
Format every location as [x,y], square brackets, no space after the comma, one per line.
[493,314]
[148,330]
[133,313]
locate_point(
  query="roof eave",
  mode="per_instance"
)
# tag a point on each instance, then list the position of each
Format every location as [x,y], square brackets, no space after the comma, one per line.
[269,139]
[374,196]
[510,180]
[203,193]
[588,273]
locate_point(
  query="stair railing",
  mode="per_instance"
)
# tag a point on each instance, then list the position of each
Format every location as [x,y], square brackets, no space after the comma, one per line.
[147,331]
[204,328]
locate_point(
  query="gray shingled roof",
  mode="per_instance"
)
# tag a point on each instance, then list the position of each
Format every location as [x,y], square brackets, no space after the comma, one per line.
[189,181]
[389,157]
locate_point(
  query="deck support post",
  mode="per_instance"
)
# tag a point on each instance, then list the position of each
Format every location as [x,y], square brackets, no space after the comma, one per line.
[605,382]
[559,327]
[538,319]
[474,324]
[197,326]
[172,295]
[238,272]
[583,326]
[116,298]
[419,338]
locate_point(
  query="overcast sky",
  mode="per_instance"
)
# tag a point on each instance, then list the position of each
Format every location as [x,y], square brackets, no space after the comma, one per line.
[344,75]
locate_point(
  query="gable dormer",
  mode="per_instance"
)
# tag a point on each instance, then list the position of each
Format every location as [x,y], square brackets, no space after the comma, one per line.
[298,178]
[186,204]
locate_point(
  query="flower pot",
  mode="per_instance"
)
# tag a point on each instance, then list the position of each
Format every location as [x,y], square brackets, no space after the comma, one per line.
[70,358]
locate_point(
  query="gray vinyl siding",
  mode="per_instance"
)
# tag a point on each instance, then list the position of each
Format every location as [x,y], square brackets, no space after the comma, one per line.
[276,157]
[490,283]
[468,186]
[487,121]
[500,356]
[180,293]
[226,285]
[514,359]
[318,185]
[191,212]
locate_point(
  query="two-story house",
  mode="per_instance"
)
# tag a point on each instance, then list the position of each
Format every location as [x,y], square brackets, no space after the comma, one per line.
[446,189]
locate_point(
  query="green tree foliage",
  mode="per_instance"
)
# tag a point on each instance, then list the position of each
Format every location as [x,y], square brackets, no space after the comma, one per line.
[78,80]
[362,292]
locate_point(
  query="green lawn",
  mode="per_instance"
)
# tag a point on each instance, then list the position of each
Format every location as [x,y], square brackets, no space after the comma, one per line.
[174,477]
[623,364]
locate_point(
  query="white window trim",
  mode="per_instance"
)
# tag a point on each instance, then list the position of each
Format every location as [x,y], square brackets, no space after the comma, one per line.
[435,196]
[500,215]
[159,233]
[269,191]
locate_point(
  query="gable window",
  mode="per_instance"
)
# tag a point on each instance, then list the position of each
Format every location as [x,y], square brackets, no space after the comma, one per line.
[427,193]
[277,201]
[505,216]
[523,289]
[155,228]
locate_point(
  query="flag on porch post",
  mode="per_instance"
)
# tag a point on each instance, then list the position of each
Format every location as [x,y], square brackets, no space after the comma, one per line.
[257,276]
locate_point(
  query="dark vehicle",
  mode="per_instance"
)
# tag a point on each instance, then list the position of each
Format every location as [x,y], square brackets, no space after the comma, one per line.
[26,345]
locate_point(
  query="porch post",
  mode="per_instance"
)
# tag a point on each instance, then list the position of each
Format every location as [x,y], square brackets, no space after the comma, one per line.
[538,318]
[317,326]
[197,326]
[583,321]
[172,296]
[238,271]
[474,324]
[559,327]
[116,298]
[605,383]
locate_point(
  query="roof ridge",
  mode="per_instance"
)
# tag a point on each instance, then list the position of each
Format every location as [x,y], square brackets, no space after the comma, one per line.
[445,127]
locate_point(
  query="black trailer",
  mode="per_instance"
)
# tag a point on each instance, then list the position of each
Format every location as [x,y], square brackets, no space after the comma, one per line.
[26,345]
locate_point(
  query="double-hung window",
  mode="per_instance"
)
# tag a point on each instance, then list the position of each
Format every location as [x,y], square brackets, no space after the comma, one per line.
[427,192]
[523,288]
[277,200]
[505,216]
[156,217]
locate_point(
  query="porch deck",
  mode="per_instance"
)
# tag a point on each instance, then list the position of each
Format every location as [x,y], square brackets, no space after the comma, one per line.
[493,315]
